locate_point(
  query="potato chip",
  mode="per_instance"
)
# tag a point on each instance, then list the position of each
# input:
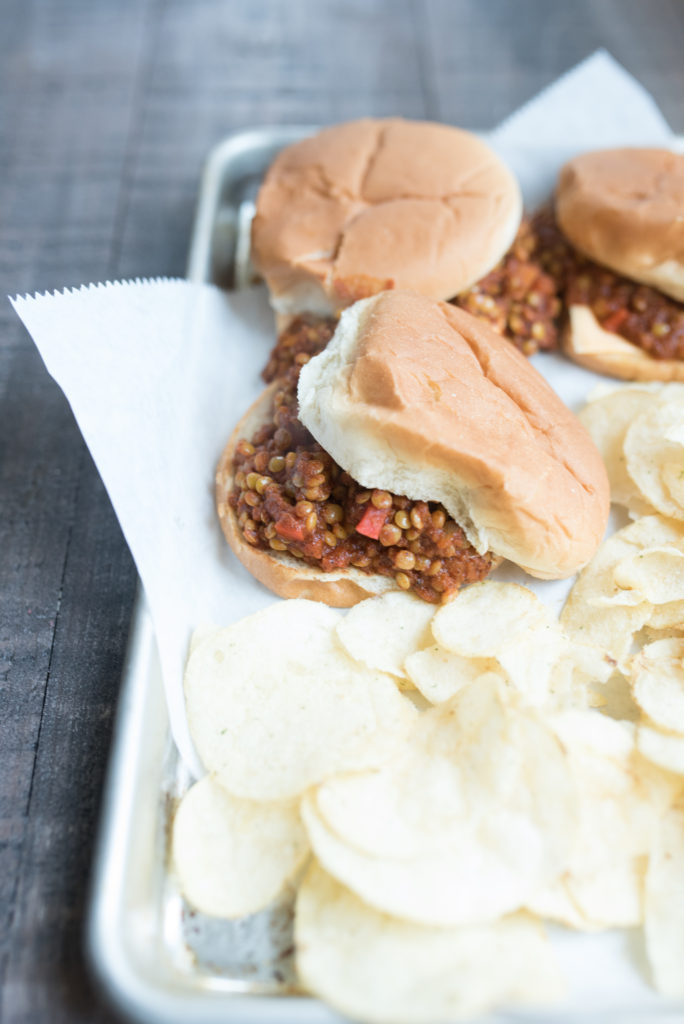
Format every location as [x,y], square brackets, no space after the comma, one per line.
[672,476]
[275,704]
[616,700]
[621,801]
[657,675]
[619,810]
[232,857]
[374,968]
[647,449]
[485,618]
[440,674]
[607,419]
[462,824]
[667,616]
[587,615]
[649,634]
[554,903]
[666,749]
[507,622]
[655,574]
[611,896]
[664,920]
[383,631]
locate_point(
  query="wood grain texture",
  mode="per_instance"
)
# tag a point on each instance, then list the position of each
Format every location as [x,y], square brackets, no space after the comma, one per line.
[107,111]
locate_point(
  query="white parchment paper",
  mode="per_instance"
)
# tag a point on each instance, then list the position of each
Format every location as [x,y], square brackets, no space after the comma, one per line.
[158,372]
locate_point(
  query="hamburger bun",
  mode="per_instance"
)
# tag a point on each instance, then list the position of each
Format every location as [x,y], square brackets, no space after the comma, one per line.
[372,205]
[624,208]
[421,399]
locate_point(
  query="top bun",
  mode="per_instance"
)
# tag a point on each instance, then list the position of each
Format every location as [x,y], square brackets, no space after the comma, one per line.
[623,208]
[376,204]
[421,399]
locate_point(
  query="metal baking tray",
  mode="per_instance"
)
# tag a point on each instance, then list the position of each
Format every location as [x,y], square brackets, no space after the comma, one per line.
[158,961]
[156,958]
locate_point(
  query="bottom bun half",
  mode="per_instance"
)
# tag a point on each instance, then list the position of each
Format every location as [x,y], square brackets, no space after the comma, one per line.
[281,572]
[587,343]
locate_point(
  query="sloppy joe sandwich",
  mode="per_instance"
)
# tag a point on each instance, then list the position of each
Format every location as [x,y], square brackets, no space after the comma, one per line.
[622,210]
[415,452]
[372,205]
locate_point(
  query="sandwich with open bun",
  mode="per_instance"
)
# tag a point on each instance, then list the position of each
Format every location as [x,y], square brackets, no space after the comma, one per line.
[622,211]
[415,452]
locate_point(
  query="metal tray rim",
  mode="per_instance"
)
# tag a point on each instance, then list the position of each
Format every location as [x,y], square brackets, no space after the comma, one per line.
[122,980]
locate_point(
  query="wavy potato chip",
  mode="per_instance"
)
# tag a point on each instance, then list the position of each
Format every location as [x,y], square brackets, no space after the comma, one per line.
[669,615]
[232,857]
[374,968]
[665,749]
[383,631]
[607,419]
[654,440]
[672,476]
[611,896]
[275,704]
[462,824]
[554,903]
[507,622]
[655,574]
[657,677]
[619,807]
[485,618]
[589,614]
[440,674]
[664,920]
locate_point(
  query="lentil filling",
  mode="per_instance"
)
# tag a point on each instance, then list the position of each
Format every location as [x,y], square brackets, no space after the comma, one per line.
[289,495]
[304,337]
[525,298]
[519,298]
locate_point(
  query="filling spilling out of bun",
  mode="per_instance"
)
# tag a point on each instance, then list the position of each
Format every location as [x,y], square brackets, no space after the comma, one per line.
[290,496]
[623,263]
[521,298]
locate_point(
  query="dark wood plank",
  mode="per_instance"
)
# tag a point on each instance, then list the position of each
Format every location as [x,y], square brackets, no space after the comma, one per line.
[112,110]
[262,63]
[485,59]
[63,153]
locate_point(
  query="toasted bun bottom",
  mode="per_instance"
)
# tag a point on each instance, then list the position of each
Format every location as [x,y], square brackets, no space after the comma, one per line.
[281,572]
[587,343]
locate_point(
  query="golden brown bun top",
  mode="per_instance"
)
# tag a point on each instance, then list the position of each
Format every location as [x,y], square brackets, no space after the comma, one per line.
[421,399]
[376,204]
[624,208]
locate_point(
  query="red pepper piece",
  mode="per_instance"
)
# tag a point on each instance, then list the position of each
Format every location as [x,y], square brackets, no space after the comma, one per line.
[372,522]
[615,320]
[291,528]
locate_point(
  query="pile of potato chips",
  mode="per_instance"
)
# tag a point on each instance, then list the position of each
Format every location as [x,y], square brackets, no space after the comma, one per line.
[439,783]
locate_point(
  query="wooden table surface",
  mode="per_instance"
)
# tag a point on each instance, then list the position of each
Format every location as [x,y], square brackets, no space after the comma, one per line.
[107,110]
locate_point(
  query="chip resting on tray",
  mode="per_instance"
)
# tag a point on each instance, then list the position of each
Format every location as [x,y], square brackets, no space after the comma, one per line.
[275,704]
[463,824]
[232,856]
[373,967]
